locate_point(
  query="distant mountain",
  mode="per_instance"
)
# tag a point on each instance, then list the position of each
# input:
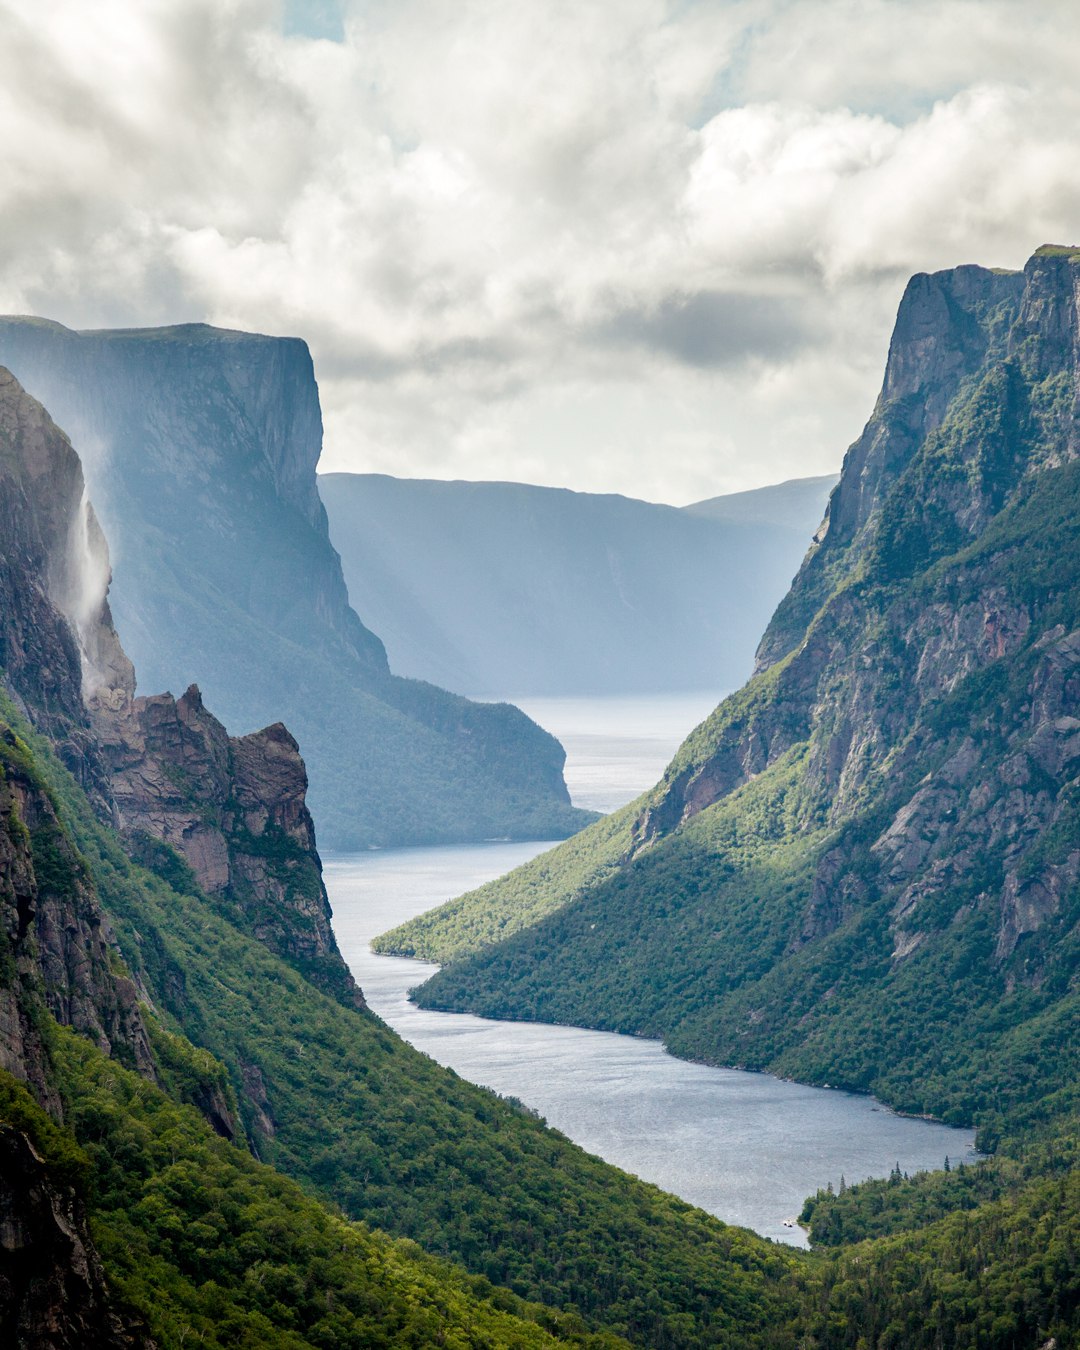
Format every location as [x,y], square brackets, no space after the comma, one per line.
[510,589]
[200,448]
[788,505]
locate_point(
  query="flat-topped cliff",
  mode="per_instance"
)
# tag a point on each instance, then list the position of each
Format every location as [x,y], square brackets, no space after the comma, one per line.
[200,447]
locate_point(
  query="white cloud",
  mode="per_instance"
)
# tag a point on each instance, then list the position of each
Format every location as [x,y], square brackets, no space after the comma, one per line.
[651,247]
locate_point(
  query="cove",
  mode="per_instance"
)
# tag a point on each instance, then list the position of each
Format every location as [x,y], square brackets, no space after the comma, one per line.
[747,1147]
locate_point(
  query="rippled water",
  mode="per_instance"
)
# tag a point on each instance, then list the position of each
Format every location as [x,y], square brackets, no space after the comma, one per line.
[747,1147]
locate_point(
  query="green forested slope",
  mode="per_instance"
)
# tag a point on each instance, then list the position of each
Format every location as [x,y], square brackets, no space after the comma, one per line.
[391,1138]
[205,1246]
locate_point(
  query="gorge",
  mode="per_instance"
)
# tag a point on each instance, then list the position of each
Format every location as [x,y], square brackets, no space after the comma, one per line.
[860,869]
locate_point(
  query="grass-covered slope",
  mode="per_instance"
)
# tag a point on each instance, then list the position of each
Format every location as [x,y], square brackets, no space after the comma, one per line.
[863,868]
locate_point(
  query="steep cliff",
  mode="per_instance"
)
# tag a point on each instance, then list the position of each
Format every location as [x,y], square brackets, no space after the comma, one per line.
[167,771]
[877,838]
[200,448]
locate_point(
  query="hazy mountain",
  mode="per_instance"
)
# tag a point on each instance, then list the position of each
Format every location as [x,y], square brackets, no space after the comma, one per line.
[200,448]
[787,505]
[506,588]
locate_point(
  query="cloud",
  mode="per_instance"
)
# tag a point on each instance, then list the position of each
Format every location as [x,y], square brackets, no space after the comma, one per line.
[708,329]
[566,241]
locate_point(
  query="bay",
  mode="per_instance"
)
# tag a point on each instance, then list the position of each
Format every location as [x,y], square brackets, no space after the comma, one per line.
[747,1147]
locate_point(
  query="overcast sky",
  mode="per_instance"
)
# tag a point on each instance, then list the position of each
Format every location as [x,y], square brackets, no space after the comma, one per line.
[643,246]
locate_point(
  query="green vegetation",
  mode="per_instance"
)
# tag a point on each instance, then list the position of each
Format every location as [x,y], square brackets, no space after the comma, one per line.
[388,1137]
[1003,1275]
[214,1249]
[531,892]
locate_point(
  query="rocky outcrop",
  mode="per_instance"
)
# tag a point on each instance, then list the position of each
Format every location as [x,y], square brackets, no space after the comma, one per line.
[234,809]
[200,448]
[52,1289]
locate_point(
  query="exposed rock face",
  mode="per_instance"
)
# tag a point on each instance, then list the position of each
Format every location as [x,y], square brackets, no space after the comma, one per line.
[200,448]
[234,809]
[52,1289]
[53,567]
[979,398]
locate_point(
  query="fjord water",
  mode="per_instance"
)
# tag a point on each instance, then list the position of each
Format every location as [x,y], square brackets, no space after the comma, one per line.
[747,1147]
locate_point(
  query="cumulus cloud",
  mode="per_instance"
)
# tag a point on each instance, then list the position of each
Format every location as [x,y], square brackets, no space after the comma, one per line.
[651,247]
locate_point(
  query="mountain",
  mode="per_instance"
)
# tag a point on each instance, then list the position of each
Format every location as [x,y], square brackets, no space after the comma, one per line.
[862,869]
[506,588]
[200,448]
[205,1137]
[199,1145]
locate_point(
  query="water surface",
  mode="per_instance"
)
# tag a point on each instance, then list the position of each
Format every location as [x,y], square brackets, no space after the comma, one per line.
[747,1147]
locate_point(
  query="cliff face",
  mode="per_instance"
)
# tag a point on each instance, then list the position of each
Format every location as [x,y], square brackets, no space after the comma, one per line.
[57,648]
[979,398]
[57,644]
[52,1289]
[878,836]
[234,809]
[200,447]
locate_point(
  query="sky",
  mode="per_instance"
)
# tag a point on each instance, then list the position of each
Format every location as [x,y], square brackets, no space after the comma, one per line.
[642,246]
